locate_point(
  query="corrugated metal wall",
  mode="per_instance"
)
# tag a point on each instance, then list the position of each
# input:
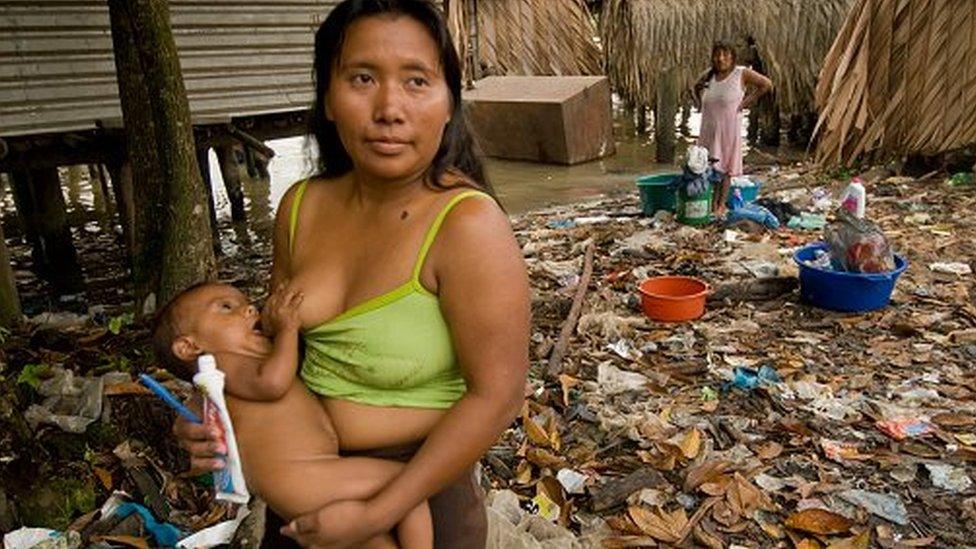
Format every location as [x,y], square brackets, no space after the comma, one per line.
[57,70]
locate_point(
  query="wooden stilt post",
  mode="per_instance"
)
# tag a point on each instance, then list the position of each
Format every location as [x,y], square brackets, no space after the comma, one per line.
[685,127]
[768,108]
[257,187]
[120,173]
[38,197]
[203,160]
[641,122]
[664,114]
[73,185]
[9,300]
[230,156]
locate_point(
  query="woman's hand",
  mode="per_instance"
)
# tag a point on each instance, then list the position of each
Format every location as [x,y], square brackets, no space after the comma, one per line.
[202,442]
[336,526]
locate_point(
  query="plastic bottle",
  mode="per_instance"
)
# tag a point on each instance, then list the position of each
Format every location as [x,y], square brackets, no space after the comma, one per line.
[229,481]
[854,198]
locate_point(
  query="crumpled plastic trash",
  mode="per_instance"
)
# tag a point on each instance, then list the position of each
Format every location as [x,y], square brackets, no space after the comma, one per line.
[858,245]
[902,428]
[955,268]
[41,538]
[754,213]
[888,507]
[613,380]
[748,379]
[573,482]
[163,533]
[72,403]
[947,477]
[221,533]
[561,224]
[808,221]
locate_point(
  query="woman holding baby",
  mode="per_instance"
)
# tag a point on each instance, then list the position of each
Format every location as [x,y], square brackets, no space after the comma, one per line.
[415,317]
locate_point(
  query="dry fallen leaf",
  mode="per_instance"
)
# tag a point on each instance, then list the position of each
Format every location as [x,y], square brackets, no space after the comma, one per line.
[860,541]
[567,382]
[691,443]
[545,458]
[717,486]
[536,433]
[659,524]
[769,450]
[744,497]
[104,477]
[130,541]
[819,521]
[705,472]
[949,419]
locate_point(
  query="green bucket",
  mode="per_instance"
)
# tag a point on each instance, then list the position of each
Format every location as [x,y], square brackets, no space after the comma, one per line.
[656,193]
[695,210]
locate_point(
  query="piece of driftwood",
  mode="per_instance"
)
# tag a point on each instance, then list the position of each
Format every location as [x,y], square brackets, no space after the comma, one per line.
[760,289]
[569,326]
[616,492]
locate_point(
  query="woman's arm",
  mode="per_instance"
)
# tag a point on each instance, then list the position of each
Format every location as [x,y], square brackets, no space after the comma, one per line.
[484,294]
[757,84]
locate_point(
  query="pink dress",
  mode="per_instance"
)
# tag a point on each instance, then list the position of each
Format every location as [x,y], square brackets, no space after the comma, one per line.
[721,121]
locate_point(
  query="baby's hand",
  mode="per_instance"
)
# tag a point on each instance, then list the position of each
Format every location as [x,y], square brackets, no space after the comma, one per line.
[282,309]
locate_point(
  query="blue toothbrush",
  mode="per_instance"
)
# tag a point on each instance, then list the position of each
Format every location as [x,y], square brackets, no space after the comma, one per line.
[168,398]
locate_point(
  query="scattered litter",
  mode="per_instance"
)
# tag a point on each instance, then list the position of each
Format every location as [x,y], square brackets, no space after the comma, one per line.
[613,380]
[956,268]
[885,506]
[44,538]
[902,428]
[72,403]
[949,477]
[748,379]
[572,481]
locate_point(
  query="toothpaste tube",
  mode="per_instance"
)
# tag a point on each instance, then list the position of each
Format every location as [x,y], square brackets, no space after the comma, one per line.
[229,481]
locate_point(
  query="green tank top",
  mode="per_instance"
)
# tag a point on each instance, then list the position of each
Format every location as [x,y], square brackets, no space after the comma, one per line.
[392,350]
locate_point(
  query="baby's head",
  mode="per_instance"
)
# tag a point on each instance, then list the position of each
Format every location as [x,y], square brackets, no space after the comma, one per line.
[208,318]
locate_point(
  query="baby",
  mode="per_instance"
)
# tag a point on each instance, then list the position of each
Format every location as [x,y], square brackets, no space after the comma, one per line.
[288,446]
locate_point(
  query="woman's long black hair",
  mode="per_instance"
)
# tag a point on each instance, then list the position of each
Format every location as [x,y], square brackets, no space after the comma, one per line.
[458,151]
[707,77]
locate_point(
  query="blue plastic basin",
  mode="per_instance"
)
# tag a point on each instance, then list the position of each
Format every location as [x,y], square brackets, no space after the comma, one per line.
[841,291]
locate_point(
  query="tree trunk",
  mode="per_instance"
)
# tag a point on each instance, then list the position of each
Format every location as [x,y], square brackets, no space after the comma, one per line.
[9,300]
[230,156]
[171,223]
[40,202]
[664,114]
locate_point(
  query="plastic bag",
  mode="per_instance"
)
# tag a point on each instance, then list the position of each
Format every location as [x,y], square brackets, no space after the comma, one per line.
[753,212]
[858,246]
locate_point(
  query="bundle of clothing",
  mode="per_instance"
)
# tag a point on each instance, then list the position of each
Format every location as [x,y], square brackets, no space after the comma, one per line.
[698,173]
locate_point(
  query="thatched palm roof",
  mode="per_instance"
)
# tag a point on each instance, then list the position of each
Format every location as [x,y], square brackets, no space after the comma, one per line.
[899,79]
[529,37]
[644,37]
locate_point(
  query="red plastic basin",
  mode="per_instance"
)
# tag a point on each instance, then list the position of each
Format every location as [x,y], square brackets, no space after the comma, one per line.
[673,298]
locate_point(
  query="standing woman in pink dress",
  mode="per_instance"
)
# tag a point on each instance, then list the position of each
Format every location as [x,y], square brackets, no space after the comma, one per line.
[720,94]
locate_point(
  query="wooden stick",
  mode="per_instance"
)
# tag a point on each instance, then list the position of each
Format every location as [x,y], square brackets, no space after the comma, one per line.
[569,326]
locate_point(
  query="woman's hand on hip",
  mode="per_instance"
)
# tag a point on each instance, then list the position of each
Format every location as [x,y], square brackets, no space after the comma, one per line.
[202,442]
[338,525]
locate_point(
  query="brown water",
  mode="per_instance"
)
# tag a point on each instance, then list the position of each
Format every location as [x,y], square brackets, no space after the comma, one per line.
[521,186]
